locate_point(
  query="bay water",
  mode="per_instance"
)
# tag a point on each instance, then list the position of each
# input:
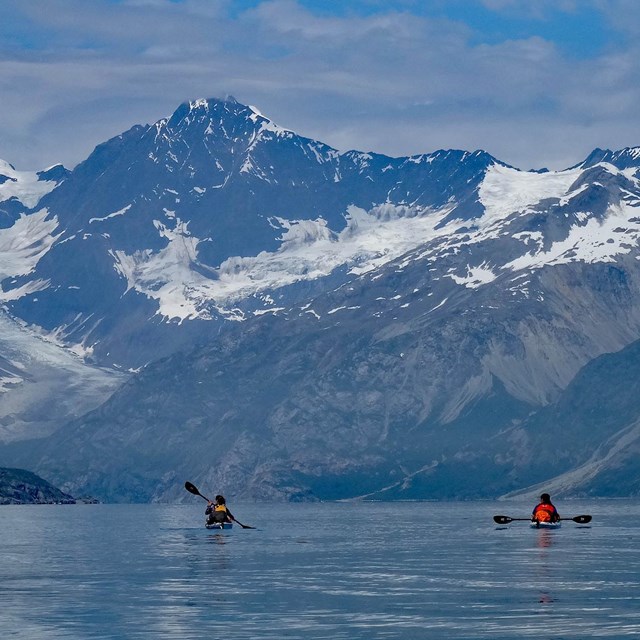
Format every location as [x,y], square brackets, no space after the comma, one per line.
[406,570]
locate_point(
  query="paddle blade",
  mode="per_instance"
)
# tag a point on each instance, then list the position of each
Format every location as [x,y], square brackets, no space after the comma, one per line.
[502,519]
[191,488]
[582,519]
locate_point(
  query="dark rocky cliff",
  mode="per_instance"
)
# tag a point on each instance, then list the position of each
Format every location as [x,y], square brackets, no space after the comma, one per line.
[18,486]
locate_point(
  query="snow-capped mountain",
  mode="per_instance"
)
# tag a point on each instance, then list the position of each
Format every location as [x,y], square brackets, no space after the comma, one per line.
[328,324]
[204,215]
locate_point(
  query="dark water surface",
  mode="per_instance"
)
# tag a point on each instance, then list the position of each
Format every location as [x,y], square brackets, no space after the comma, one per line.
[339,571]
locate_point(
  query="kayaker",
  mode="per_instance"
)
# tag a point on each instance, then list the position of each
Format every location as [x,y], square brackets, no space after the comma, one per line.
[545,511]
[217,511]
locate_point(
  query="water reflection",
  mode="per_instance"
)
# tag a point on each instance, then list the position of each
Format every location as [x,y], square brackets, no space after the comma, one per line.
[544,574]
[545,538]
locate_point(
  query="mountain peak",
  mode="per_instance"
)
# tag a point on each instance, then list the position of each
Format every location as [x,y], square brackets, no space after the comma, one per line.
[208,104]
[622,158]
[57,173]
[207,109]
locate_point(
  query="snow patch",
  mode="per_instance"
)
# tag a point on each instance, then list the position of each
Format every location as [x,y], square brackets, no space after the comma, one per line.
[476,276]
[25,243]
[308,250]
[23,185]
[505,191]
[593,241]
[167,275]
[120,212]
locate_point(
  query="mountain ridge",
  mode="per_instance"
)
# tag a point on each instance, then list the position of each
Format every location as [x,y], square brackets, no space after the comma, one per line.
[310,324]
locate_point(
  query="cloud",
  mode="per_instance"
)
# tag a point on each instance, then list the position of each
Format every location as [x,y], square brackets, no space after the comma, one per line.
[622,15]
[391,79]
[539,10]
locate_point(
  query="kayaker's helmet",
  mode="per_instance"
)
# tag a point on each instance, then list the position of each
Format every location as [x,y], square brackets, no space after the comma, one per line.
[545,497]
[220,499]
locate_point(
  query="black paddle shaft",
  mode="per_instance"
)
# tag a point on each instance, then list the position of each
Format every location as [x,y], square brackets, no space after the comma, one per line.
[506,519]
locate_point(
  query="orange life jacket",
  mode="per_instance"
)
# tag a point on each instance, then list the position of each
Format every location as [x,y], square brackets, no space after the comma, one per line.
[544,512]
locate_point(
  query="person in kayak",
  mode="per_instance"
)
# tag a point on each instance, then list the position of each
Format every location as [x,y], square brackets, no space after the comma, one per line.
[217,511]
[545,511]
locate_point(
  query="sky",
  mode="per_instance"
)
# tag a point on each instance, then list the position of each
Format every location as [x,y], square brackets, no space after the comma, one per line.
[536,83]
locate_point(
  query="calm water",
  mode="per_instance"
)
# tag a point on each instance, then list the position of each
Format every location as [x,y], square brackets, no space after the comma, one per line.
[409,570]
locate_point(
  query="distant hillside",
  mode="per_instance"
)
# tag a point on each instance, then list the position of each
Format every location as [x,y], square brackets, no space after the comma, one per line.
[18,486]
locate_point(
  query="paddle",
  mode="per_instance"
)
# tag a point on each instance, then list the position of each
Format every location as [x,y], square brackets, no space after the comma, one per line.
[507,519]
[191,488]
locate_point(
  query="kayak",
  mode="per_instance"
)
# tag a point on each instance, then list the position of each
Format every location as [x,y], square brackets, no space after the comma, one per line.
[546,525]
[220,525]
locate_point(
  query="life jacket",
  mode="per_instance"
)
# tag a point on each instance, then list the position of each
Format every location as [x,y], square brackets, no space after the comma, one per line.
[544,512]
[217,513]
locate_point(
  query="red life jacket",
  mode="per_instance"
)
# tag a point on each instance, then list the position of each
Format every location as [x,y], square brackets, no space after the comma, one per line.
[544,512]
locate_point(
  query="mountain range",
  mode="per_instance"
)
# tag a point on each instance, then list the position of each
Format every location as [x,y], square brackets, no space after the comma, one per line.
[281,320]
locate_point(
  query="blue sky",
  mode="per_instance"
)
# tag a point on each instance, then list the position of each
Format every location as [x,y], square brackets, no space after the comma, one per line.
[535,83]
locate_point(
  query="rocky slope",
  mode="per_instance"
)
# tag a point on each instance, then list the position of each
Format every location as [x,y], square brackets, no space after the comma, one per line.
[427,403]
[596,452]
